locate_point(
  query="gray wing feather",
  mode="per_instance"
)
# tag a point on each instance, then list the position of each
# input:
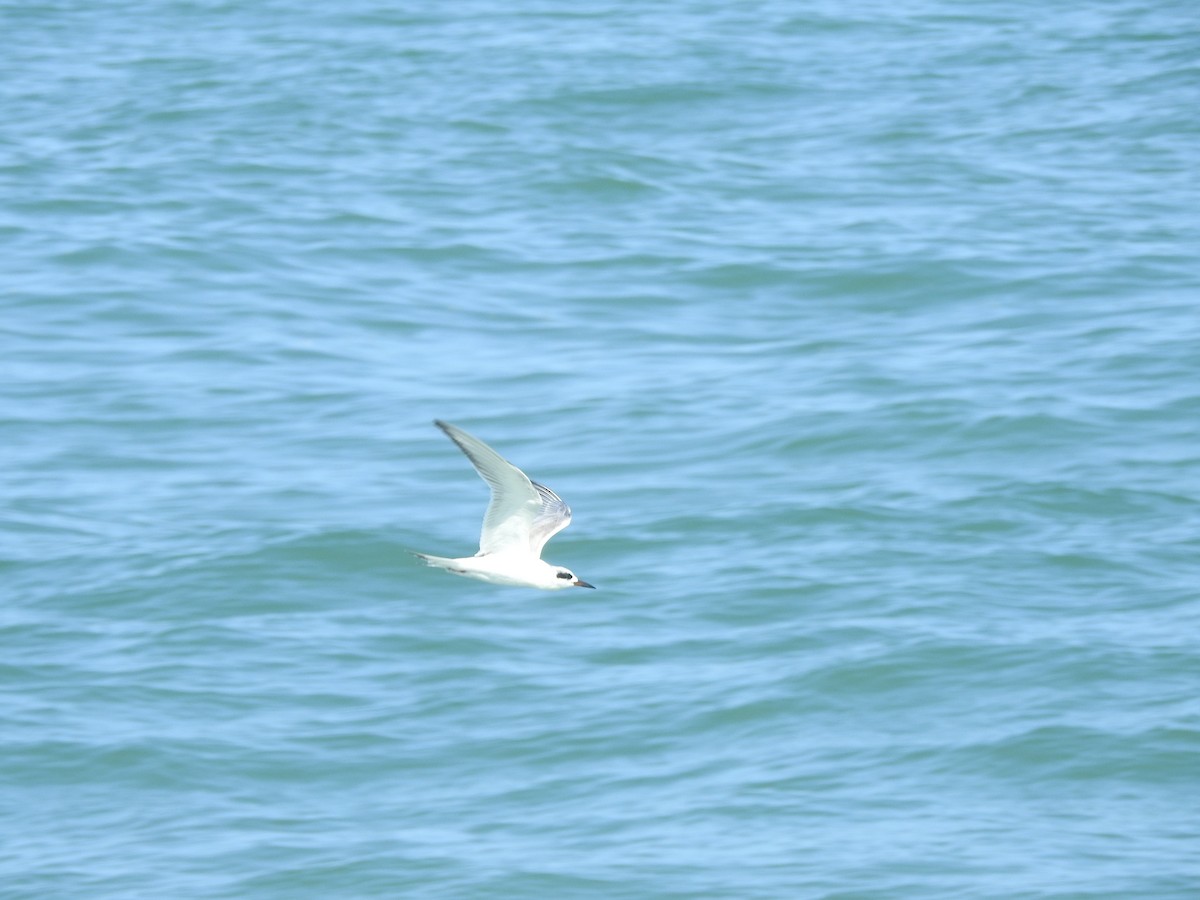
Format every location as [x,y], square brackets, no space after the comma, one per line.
[523,514]
[552,518]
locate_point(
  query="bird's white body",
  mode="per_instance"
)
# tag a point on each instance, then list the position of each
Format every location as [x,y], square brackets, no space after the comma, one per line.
[522,516]
[503,568]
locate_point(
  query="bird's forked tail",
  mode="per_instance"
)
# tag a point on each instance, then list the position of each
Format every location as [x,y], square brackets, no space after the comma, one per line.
[438,562]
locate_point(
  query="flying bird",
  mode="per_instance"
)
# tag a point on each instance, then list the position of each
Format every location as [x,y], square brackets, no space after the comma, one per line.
[520,518]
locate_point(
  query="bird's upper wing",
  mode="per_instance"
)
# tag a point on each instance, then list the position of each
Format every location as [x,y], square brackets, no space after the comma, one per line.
[523,514]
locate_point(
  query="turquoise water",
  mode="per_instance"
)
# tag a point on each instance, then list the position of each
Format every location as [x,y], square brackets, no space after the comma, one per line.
[864,342]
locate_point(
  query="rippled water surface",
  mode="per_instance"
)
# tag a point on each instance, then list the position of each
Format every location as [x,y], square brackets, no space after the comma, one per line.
[864,342]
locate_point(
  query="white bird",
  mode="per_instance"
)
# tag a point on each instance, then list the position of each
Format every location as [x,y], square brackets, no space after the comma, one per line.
[521,517]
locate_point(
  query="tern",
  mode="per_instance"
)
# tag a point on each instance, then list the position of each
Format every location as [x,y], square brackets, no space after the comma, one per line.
[520,518]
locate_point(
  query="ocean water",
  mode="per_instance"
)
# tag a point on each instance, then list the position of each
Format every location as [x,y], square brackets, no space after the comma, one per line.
[864,341]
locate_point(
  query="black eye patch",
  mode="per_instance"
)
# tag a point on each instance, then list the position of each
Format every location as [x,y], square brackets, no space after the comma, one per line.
[565,575]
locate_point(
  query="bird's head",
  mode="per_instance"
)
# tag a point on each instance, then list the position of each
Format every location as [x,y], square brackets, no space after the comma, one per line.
[565,578]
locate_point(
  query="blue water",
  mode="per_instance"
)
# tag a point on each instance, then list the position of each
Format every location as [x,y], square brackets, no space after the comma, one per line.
[864,342]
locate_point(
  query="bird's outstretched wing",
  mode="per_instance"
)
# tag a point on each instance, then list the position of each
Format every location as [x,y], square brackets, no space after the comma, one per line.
[523,514]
